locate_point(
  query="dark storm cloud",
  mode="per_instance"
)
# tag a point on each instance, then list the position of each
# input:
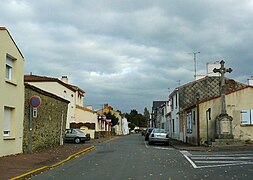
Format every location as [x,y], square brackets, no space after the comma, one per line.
[128,53]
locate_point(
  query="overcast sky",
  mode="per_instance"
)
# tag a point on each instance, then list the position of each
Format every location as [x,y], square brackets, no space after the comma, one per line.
[128,53]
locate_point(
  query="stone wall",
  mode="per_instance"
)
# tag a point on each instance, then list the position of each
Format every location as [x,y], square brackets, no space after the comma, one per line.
[51,119]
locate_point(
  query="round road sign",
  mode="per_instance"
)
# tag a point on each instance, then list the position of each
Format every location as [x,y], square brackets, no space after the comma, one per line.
[35,101]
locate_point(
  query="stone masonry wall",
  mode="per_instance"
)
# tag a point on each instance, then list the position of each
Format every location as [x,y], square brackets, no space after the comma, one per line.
[47,125]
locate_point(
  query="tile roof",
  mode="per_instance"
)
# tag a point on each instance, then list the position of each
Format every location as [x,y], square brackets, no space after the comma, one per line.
[35,78]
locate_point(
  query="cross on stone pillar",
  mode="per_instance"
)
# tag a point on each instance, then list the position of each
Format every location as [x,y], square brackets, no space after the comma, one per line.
[223,121]
[222,71]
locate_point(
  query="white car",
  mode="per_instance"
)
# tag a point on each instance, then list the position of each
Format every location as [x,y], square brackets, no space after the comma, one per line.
[75,135]
[159,135]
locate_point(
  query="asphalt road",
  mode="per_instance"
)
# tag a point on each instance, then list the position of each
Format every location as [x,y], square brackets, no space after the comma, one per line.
[129,157]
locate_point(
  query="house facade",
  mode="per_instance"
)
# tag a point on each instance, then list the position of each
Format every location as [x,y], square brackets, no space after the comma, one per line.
[174,121]
[103,125]
[12,95]
[155,114]
[190,97]
[239,105]
[86,119]
[125,128]
[48,122]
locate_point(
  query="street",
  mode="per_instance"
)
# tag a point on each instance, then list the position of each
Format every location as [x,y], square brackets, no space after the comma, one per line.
[130,157]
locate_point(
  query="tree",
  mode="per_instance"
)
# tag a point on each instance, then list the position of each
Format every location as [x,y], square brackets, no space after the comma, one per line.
[146,114]
[131,126]
[136,119]
[112,117]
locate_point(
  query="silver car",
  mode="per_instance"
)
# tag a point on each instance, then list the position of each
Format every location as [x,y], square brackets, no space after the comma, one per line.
[159,135]
[75,135]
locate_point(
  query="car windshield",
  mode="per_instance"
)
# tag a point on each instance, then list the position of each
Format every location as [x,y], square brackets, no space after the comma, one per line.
[79,131]
[159,131]
[150,130]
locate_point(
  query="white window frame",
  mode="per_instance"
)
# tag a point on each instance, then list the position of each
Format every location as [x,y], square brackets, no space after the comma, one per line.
[247,117]
[9,67]
[8,116]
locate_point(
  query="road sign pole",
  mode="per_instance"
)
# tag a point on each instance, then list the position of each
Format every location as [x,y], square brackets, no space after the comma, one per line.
[30,129]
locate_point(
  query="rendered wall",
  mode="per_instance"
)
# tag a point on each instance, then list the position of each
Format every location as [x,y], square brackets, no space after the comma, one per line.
[12,95]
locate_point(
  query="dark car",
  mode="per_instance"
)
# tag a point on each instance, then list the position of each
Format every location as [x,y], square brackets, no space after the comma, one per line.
[148,131]
[75,135]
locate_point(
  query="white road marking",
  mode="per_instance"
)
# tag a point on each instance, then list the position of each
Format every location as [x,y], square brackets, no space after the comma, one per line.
[217,157]
[217,162]
[186,153]
[190,158]
[146,144]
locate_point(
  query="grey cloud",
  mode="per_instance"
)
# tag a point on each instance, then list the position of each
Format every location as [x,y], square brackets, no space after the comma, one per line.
[128,53]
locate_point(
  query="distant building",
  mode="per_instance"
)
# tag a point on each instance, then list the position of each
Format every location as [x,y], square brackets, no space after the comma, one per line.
[125,128]
[104,125]
[155,116]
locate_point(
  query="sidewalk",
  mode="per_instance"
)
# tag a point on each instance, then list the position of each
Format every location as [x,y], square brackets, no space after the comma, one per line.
[15,165]
[187,147]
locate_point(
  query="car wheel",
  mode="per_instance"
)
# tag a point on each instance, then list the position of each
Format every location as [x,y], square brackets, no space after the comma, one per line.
[77,140]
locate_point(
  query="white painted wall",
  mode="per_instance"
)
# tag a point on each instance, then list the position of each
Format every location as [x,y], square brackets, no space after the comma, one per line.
[12,96]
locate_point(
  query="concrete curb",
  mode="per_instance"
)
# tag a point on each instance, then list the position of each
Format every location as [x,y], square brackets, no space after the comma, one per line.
[36,171]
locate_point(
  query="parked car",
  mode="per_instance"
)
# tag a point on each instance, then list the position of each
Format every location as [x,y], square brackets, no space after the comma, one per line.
[148,131]
[75,135]
[159,135]
[143,131]
[87,137]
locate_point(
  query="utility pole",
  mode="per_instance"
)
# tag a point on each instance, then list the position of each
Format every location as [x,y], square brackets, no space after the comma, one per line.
[178,82]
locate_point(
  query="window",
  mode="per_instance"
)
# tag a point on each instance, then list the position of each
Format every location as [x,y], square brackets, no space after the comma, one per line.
[7,121]
[247,117]
[163,126]
[173,125]
[176,102]
[9,67]
[189,122]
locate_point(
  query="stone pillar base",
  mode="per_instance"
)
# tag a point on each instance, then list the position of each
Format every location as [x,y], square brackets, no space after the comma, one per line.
[224,127]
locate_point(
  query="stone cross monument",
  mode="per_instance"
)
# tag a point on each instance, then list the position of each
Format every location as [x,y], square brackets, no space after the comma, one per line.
[223,121]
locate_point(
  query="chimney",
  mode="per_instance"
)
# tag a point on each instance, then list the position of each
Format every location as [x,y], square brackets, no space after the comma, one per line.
[250,81]
[65,79]
[210,66]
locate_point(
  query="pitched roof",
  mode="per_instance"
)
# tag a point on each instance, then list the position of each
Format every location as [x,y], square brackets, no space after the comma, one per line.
[5,29]
[157,104]
[35,78]
[207,88]
[45,92]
